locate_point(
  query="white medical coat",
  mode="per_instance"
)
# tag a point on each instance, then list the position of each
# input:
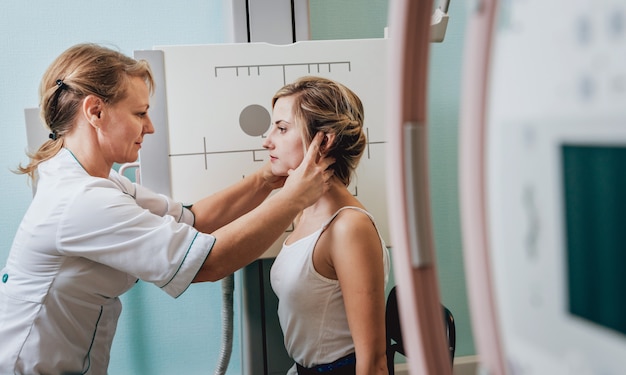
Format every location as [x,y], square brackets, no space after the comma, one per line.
[82,243]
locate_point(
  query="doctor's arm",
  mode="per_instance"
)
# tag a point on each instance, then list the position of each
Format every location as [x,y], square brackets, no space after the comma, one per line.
[243,240]
[223,207]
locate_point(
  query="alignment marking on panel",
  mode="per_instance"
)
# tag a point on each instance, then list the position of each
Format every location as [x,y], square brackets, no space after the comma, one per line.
[258,67]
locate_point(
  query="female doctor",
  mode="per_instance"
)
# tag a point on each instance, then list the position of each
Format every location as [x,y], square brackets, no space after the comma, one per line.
[90,233]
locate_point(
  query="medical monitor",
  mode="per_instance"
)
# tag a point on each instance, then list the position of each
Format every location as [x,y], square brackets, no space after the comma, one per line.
[594,187]
[555,162]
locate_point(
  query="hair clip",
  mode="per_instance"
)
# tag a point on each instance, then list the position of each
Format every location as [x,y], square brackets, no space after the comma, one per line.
[60,83]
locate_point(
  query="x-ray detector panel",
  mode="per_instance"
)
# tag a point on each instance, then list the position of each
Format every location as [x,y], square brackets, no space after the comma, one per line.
[218,110]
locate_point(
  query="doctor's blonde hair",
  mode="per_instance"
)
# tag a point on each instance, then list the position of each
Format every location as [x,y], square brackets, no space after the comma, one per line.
[321,104]
[82,70]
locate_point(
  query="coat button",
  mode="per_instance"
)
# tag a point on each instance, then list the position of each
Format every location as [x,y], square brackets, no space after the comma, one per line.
[5,277]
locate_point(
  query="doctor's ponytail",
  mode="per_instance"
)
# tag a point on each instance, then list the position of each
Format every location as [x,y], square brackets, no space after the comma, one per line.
[82,70]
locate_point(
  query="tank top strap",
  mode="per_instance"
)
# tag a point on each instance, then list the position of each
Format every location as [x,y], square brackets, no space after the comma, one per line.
[327,223]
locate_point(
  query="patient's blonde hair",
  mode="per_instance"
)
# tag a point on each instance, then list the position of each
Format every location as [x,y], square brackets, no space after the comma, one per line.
[325,105]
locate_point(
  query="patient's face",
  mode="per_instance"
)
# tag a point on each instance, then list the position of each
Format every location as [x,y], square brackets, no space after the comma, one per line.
[284,141]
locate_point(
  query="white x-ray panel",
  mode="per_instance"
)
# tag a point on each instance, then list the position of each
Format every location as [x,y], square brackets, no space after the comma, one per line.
[218,105]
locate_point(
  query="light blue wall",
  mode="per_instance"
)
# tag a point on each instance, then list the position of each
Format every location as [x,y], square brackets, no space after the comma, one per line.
[159,335]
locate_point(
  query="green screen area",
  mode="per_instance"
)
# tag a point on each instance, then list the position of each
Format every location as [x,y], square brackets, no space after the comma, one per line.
[595,217]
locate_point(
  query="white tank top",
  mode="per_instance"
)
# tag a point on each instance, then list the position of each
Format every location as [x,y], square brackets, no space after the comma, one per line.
[311,311]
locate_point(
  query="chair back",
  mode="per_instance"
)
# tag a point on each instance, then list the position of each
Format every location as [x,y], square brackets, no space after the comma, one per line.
[393,327]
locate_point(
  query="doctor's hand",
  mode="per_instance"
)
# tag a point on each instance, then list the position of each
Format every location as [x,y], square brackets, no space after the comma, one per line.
[310,180]
[271,180]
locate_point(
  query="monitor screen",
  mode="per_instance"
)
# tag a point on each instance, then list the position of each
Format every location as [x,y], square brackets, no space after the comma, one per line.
[594,182]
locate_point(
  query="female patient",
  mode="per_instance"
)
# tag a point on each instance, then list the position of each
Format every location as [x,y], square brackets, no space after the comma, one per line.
[331,273]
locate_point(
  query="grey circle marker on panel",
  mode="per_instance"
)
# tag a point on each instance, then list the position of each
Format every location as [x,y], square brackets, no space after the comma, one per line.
[255,120]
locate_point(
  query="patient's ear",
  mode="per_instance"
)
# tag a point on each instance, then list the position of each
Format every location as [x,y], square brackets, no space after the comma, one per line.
[327,142]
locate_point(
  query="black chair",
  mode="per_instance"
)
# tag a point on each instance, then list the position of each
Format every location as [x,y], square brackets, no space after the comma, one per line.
[394,330]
